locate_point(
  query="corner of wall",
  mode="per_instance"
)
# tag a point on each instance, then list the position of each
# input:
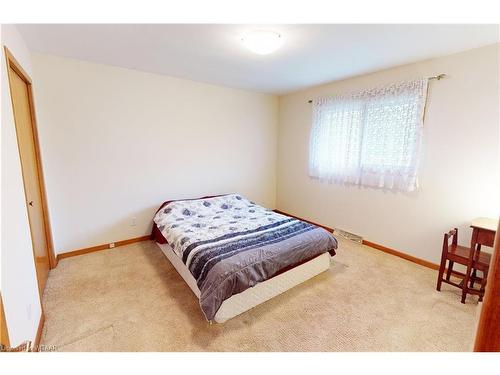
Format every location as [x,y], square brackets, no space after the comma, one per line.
[21,300]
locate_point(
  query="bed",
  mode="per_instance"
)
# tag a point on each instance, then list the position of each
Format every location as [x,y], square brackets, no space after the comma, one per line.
[235,254]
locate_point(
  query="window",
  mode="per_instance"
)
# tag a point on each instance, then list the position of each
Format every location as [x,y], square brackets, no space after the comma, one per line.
[369,138]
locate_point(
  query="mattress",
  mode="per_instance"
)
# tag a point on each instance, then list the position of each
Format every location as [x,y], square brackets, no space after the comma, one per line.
[230,244]
[258,294]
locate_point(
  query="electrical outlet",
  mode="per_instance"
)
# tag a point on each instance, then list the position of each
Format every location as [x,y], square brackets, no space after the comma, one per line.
[111,245]
[133,221]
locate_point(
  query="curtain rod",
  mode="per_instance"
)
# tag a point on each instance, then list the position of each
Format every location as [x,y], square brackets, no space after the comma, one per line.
[437,77]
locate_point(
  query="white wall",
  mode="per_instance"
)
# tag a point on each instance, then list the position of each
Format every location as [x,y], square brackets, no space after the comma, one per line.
[116,143]
[458,177]
[18,277]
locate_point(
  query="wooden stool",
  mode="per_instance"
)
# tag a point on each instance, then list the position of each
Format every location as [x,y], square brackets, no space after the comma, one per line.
[467,256]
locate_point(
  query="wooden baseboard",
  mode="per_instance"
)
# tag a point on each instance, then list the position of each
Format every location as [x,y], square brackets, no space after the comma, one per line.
[409,257]
[373,245]
[385,249]
[100,247]
[400,254]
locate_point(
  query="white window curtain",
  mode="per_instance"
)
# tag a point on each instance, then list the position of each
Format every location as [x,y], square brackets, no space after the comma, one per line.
[369,138]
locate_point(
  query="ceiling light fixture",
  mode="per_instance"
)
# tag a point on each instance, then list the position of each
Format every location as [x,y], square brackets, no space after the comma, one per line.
[262,42]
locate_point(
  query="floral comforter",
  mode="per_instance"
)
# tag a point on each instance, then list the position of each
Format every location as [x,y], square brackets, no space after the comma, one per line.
[229,244]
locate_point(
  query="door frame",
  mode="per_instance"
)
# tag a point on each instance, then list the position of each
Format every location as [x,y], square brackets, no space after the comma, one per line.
[488,328]
[12,63]
[4,333]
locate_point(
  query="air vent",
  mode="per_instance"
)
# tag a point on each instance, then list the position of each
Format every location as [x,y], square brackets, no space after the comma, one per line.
[348,235]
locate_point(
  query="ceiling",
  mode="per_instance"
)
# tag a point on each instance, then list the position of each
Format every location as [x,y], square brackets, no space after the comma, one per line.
[213,53]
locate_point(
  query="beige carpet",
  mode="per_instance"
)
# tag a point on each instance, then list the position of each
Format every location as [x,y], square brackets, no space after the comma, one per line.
[131,299]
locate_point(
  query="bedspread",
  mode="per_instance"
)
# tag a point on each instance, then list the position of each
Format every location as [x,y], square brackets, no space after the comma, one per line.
[229,244]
